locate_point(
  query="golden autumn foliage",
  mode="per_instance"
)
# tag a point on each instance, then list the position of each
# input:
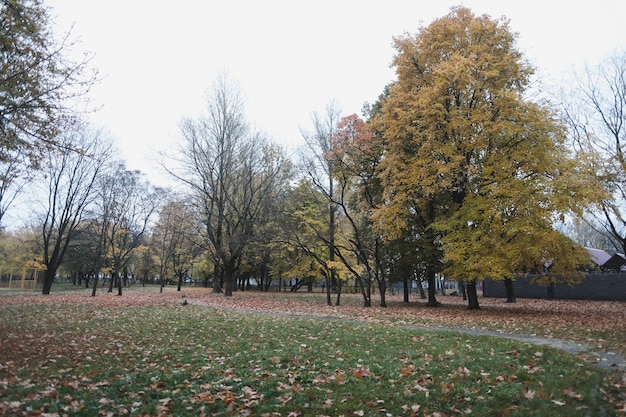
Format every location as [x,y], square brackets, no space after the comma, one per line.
[464,142]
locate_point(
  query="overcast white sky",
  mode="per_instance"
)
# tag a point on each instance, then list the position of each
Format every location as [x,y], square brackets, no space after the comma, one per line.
[290,58]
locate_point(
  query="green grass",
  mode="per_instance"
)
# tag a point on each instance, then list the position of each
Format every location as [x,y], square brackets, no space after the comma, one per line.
[79,359]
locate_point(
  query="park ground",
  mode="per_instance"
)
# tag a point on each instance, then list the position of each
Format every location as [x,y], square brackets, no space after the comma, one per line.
[194,352]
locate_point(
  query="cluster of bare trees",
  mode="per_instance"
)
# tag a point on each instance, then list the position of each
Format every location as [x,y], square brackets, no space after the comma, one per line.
[235,178]
[88,213]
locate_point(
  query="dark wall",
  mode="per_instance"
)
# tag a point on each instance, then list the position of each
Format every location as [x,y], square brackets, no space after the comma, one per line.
[601,286]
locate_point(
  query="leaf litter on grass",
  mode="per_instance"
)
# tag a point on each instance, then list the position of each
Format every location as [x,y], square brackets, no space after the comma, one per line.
[120,357]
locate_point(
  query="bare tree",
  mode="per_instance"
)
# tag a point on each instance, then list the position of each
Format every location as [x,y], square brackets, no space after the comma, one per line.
[127,205]
[71,172]
[588,232]
[597,121]
[356,156]
[13,178]
[173,240]
[316,161]
[231,171]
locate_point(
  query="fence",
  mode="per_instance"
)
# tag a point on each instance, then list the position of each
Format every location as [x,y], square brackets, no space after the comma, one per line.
[20,278]
[608,286]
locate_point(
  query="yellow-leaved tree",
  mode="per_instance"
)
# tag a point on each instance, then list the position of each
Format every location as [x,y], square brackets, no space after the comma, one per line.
[484,168]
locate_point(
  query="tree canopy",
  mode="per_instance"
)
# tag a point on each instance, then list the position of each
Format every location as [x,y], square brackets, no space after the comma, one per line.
[489,167]
[232,174]
[38,83]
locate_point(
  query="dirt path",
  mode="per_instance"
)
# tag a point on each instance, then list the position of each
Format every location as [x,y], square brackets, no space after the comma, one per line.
[605,360]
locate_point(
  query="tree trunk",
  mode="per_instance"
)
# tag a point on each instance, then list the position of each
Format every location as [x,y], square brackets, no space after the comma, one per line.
[367,300]
[230,280]
[510,293]
[95,284]
[217,288]
[463,289]
[48,280]
[432,300]
[382,287]
[338,292]
[218,279]
[420,287]
[328,299]
[472,296]
[263,276]
[405,289]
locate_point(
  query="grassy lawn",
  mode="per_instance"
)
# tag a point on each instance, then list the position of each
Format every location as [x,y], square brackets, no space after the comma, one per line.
[146,353]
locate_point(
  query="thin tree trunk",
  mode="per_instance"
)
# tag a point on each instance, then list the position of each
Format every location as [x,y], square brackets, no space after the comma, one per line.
[338,292]
[382,286]
[405,289]
[365,293]
[268,281]
[420,287]
[95,284]
[463,289]
[359,285]
[328,299]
